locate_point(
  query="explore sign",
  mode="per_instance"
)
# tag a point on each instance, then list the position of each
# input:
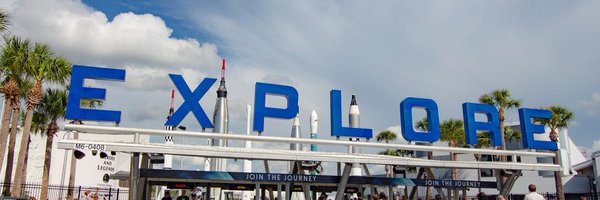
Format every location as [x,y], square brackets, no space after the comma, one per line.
[192,97]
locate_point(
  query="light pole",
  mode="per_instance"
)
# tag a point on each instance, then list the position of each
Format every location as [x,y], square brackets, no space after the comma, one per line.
[62,177]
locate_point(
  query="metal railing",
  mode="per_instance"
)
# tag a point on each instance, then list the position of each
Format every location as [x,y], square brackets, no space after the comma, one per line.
[32,191]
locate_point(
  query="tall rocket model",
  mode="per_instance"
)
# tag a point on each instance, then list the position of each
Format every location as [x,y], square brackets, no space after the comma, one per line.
[246,195]
[296,134]
[221,122]
[168,159]
[314,125]
[354,122]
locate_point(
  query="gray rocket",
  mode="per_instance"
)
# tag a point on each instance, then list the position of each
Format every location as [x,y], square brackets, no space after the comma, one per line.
[354,122]
[296,134]
[221,122]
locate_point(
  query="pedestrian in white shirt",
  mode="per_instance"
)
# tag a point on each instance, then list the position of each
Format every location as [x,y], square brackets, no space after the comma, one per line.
[532,194]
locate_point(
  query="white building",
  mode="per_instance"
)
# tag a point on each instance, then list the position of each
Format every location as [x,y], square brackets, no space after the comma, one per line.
[90,170]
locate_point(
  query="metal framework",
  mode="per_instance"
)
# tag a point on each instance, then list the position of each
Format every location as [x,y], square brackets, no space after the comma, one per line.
[287,155]
[136,148]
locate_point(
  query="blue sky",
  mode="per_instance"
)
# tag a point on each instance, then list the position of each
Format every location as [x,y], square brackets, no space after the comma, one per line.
[545,52]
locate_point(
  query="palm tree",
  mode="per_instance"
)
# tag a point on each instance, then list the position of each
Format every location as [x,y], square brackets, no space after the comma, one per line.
[453,132]
[423,125]
[42,66]
[501,98]
[24,87]
[14,59]
[561,117]
[387,136]
[38,125]
[54,108]
[4,21]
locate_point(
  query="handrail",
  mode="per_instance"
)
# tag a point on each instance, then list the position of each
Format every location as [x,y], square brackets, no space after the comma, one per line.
[231,136]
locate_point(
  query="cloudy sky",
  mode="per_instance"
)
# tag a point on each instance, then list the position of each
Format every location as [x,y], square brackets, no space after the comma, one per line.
[544,52]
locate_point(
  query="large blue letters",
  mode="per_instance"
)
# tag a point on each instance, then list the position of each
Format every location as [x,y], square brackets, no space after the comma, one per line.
[528,129]
[191,100]
[472,126]
[408,132]
[337,129]
[77,92]
[261,110]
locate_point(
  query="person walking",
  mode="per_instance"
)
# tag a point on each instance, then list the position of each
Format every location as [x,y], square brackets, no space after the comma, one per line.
[532,194]
[167,196]
[183,196]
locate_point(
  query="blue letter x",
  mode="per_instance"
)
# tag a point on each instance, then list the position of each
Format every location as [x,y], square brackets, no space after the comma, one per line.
[190,102]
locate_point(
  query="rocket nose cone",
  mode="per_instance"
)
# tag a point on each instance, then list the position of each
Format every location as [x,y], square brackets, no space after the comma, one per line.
[353,102]
[314,116]
[297,120]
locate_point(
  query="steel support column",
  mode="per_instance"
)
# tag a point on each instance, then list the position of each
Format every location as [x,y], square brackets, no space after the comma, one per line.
[134,175]
[343,182]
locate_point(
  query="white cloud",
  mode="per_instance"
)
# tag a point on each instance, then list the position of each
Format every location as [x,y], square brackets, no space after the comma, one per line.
[592,106]
[595,147]
[142,43]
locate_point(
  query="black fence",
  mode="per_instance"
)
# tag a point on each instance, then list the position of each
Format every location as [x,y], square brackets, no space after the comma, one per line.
[57,192]
[553,196]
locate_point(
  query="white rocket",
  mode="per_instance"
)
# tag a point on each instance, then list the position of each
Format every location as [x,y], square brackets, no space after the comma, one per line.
[354,122]
[221,122]
[168,159]
[314,125]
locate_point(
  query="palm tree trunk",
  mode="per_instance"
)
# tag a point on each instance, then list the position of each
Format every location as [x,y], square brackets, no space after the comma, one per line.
[10,158]
[23,151]
[429,193]
[501,111]
[4,129]
[72,171]
[46,174]
[24,169]
[558,177]
[478,158]
[454,173]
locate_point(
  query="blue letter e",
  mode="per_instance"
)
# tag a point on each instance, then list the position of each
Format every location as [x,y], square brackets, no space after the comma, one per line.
[77,92]
[261,110]
[408,132]
[528,129]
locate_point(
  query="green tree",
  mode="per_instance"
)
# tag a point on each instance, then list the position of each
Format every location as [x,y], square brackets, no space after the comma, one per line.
[4,21]
[387,136]
[453,132]
[24,86]
[561,117]
[42,66]
[53,107]
[13,62]
[502,99]
[424,125]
